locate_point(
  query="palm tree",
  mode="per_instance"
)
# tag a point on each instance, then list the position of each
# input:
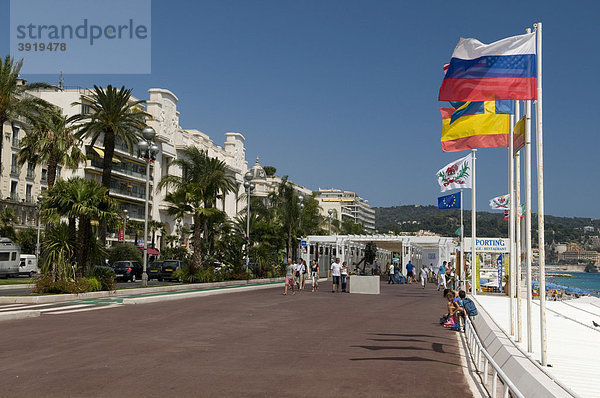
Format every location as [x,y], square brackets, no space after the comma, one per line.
[154,226]
[287,207]
[51,140]
[84,200]
[114,115]
[14,102]
[8,218]
[204,180]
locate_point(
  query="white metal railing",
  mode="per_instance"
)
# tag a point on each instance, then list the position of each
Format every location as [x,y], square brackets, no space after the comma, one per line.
[479,355]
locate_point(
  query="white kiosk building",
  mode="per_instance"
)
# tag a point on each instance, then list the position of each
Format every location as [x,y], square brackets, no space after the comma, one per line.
[351,248]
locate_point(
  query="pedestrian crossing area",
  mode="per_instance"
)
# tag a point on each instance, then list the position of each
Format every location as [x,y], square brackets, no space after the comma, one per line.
[63,308]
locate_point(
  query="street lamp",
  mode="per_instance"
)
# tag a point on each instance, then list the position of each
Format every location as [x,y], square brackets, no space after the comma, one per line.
[125,219]
[249,188]
[300,199]
[149,150]
[37,244]
[330,212]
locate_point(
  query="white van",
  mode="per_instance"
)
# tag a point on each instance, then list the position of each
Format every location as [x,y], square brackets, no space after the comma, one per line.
[28,265]
[9,258]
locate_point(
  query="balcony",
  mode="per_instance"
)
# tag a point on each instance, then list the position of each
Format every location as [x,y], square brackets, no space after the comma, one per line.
[14,196]
[14,170]
[124,167]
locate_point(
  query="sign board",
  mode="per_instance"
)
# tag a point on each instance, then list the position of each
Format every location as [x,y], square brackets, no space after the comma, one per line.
[489,245]
[500,268]
[121,235]
[303,243]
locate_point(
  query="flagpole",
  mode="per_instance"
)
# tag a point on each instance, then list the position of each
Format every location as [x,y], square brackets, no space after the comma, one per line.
[528,219]
[511,224]
[462,245]
[518,233]
[540,189]
[473,230]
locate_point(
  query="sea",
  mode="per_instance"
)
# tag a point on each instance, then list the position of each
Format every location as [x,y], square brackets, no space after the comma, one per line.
[588,281]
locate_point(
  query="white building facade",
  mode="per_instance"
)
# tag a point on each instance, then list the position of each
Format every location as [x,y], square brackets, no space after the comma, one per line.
[24,184]
[347,205]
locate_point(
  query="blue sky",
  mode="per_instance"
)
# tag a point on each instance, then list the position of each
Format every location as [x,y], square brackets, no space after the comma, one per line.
[343,93]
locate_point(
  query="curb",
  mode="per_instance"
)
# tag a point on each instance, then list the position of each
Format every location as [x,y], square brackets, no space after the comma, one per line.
[17,286]
[181,296]
[10,316]
[59,298]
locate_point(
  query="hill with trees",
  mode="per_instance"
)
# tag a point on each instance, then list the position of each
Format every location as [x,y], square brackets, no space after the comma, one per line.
[413,218]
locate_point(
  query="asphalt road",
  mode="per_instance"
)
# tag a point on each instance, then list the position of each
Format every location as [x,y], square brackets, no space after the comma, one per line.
[18,290]
[251,344]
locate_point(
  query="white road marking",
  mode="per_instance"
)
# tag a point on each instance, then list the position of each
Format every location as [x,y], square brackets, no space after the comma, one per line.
[97,307]
[43,310]
[25,306]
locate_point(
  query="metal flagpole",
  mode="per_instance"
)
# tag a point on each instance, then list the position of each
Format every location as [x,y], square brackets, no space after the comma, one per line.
[517,216]
[511,224]
[462,245]
[473,231]
[540,193]
[528,218]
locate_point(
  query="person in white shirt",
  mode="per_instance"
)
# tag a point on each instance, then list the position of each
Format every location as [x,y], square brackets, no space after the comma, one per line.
[423,275]
[299,273]
[335,272]
[344,276]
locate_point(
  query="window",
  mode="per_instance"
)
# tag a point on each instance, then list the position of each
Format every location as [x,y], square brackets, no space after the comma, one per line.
[58,171]
[30,170]
[14,166]
[4,256]
[44,175]
[28,195]
[15,136]
[13,190]
[13,256]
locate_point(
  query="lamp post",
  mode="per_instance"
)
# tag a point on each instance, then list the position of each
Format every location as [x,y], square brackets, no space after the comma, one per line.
[300,199]
[249,188]
[125,219]
[39,222]
[330,212]
[149,150]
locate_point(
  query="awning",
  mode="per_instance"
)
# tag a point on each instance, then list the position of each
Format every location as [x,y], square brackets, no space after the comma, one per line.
[100,152]
[151,251]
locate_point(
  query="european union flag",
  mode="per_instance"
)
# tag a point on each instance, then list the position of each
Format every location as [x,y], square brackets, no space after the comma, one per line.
[449,201]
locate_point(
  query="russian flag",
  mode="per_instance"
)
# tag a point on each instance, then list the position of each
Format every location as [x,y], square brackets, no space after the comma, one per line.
[503,70]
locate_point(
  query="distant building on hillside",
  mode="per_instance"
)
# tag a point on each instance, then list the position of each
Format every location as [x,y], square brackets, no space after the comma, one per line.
[587,256]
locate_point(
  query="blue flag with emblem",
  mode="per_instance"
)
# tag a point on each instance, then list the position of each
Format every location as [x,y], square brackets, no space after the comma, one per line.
[449,201]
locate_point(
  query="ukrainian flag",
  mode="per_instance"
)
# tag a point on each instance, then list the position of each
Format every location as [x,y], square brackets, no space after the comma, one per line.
[481,124]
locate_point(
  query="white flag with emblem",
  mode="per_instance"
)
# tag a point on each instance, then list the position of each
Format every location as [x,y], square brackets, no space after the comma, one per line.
[456,174]
[500,202]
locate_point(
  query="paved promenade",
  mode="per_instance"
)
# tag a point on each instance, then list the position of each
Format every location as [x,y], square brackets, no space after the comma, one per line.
[252,344]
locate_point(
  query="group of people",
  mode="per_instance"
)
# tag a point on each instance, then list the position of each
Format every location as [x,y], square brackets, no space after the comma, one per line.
[459,306]
[296,275]
[395,274]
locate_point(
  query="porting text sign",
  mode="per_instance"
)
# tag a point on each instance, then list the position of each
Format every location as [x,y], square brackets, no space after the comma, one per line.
[489,245]
[81,36]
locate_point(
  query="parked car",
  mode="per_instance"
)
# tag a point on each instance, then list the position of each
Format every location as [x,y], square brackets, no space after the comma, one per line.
[128,270]
[28,265]
[154,270]
[167,269]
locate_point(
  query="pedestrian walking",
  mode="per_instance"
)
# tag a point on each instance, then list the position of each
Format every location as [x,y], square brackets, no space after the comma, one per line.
[304,272]
[390,270]
[289,277]
[314,274]
[335,273]
[344,276]
[410,272]
[423,275]
[298,274]
[442,276]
